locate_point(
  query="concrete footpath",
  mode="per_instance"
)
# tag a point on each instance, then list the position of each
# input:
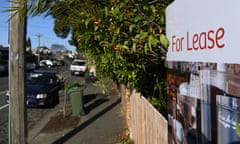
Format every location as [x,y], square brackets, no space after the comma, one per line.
[102,124]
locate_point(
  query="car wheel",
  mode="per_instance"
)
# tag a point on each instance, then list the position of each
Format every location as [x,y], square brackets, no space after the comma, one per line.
[56,98]
[83,74]
[50,102]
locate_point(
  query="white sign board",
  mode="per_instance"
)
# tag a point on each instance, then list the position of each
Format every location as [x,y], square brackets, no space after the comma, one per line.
[204,31]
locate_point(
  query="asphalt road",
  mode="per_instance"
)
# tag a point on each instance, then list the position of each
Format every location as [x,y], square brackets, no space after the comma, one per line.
[33,114]
[3,109]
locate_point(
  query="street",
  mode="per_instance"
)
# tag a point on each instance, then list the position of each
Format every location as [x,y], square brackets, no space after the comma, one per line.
[33,114]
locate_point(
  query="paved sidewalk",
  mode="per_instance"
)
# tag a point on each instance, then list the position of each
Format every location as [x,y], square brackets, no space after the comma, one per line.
[101,125]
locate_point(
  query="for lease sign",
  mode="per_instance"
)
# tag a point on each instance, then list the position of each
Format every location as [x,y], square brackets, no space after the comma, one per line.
[199,41]
[203,30]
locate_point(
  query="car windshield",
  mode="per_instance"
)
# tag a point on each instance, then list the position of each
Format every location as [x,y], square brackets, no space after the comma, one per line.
[39,78]
[78,63]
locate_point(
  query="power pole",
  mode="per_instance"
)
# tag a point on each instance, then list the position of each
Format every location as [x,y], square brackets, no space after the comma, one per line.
[17,108]
[39,38]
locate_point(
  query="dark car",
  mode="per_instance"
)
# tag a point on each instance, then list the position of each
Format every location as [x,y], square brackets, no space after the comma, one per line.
[42,88]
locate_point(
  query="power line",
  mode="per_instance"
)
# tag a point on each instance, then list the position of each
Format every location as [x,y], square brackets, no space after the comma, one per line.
[38,49]
[39,39]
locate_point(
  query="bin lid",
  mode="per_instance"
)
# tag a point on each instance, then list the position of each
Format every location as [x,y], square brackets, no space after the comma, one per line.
[73,89]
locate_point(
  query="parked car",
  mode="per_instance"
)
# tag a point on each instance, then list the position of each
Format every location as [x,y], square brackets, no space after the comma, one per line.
[42,88]
[42,64]
[31,65]
[54,61]
[78,67]
[62,63]
[3,68]
[31,61]
[49,63]
[4,53]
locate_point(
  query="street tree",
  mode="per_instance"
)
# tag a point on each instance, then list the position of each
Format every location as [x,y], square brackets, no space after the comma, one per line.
[28,42]
[125,39]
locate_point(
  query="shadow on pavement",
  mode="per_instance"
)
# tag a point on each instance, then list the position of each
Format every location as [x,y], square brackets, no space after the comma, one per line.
[86,123]
[98,100]
[88,98]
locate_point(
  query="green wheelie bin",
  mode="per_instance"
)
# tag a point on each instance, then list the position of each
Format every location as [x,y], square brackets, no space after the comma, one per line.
[76,96]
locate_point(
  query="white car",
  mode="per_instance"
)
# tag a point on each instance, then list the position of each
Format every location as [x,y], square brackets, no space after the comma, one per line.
[78,67]
[49,63]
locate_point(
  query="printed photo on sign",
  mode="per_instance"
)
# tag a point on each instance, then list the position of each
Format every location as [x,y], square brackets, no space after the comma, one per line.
[204,103]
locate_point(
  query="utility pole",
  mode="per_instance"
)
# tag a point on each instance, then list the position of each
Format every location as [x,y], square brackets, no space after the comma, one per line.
[39,38]
[17,108]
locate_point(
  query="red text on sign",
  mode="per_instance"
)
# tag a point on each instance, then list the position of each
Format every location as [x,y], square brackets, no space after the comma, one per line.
[177,43]
[199,41]
[206,40]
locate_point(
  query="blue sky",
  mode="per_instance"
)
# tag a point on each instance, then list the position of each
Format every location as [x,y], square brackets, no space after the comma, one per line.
[37,25]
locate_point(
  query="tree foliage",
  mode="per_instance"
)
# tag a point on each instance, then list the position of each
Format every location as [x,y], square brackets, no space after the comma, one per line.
[127,42]
[125,39]
[28,42]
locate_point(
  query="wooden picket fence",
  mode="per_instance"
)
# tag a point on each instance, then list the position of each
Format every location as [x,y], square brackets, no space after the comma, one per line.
[147,125]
